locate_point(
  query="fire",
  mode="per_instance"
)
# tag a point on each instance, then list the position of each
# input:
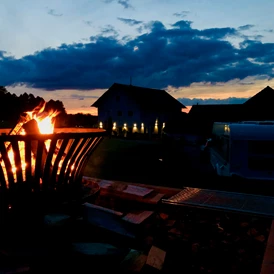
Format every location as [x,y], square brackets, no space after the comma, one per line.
[45,125]
[45,120]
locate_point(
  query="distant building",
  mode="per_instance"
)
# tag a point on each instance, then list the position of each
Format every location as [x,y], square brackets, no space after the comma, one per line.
[257,108]
[202,117]
[260,106]
[136,109]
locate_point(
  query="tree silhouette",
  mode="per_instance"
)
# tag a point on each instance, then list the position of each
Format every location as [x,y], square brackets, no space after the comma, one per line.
[55,105]
[12,106]
[3,90]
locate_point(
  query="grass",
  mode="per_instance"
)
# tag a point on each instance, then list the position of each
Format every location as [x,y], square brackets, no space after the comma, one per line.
[138,161]
[146,162]
[126,160]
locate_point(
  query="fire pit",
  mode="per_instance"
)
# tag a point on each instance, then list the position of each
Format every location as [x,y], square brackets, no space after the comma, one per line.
[48,167]
[28,168]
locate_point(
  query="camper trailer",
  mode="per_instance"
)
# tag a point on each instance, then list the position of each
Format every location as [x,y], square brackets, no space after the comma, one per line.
[243,149]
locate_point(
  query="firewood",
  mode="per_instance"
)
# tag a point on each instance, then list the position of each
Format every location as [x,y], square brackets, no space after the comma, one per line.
[24,118]
[31,127]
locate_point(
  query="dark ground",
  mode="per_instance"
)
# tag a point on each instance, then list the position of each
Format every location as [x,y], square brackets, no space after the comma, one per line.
[155,163]
[195,241]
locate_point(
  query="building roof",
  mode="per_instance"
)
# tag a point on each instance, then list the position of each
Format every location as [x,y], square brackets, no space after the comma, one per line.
[262,98]
[259,108]
[216,112]
[147,98]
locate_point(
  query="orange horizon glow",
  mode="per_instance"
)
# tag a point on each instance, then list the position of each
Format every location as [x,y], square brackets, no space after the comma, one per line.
[244,88]
[187,109]
[92,111]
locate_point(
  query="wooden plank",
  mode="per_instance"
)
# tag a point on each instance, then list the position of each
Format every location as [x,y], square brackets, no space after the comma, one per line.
[137,217]
[107,210]
[125,188]
[107,219]
[156,198]
[133,262]
[128,191]
[153,198]
[168,191]
[156,257]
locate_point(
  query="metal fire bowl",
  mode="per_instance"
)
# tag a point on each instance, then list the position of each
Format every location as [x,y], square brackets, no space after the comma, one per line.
[44,179]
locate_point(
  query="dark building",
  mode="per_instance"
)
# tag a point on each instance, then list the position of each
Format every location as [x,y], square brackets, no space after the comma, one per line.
[257,108]
[260,106]
[137,109]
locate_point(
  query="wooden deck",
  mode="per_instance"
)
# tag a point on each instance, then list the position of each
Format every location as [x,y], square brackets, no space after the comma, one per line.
[246,204]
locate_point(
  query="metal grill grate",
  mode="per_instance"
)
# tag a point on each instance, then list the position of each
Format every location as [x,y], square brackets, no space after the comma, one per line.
[223,200]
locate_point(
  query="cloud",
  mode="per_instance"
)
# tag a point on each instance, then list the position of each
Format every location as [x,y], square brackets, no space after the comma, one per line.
[140,29]
[219,33]
[176,56]
[211,101]
[252,37]
[87,22]
[2,54]
[259,53]
[124,3]
[269,30]
[83,97]
[181,14]
[130,22]
[245,27]
[109,29]
[53,12]
[154,26]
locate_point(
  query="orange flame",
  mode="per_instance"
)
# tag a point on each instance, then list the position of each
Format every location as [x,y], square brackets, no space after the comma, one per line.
[45,121]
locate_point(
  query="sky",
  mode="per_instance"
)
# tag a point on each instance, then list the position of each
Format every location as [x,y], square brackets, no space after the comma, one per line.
[200,51]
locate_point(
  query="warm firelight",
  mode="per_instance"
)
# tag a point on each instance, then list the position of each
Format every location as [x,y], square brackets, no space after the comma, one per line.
[45,123]
[44,119]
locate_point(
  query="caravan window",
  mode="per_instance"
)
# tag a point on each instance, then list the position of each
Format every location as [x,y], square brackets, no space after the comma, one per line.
[261,147]
[260,163]
[261,155]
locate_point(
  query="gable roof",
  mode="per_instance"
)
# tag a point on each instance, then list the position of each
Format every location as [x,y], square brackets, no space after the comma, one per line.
[216,112]
[262,98]
[147,98]
[253,108]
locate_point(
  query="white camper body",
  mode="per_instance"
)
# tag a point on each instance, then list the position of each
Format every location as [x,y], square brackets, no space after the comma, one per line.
[244,149]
